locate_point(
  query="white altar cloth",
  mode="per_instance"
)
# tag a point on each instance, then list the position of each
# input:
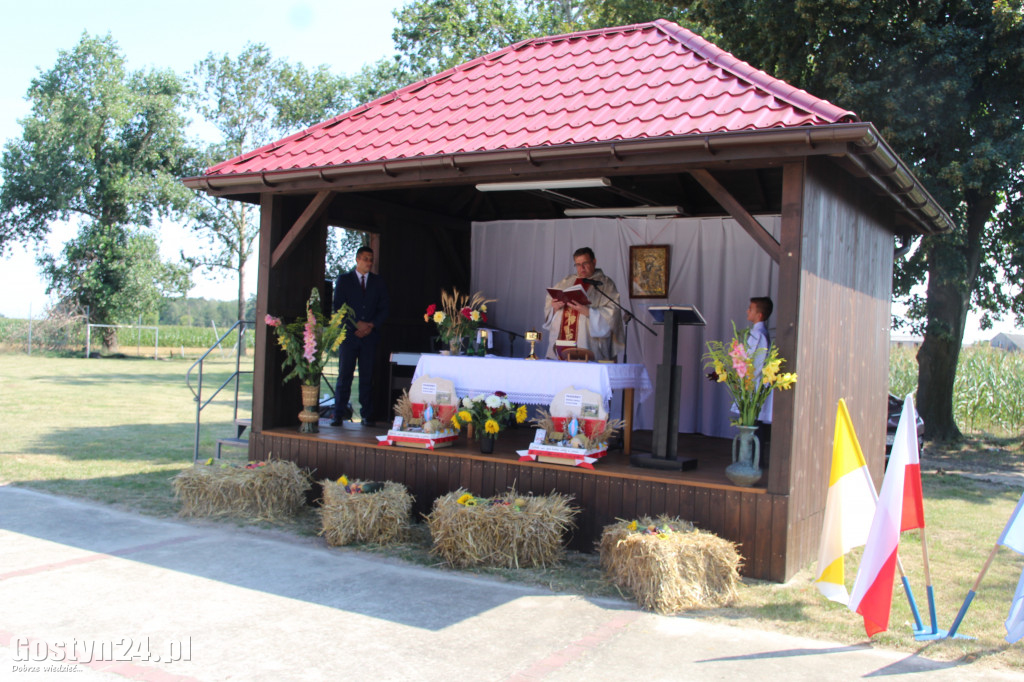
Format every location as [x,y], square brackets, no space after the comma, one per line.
[533,382]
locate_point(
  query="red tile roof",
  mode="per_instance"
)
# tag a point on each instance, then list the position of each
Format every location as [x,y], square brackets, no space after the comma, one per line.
[643,81]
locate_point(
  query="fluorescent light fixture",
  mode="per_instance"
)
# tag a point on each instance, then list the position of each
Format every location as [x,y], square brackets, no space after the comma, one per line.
[623,211]
[578,183]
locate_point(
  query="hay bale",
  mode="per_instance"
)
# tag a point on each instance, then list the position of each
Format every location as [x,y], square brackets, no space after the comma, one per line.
[509,531]
[379,517]
[269,491]
[674,569]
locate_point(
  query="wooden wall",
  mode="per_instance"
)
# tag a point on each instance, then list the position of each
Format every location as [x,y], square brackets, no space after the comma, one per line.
[752,518]
[841,342]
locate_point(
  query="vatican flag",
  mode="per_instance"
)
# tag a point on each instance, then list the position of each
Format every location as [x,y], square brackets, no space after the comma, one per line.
[849,509]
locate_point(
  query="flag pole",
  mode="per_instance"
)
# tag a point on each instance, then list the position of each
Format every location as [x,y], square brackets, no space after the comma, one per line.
[910,594]
[935,632]
[973,591]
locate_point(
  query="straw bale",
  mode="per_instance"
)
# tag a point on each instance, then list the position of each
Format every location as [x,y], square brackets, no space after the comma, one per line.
[510,530]
[271,492]
[671,572]
[380,517]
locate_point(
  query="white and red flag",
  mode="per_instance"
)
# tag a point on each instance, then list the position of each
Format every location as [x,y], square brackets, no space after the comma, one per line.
[900,507]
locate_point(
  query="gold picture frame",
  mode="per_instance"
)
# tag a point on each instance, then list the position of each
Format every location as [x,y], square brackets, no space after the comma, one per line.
[648,271]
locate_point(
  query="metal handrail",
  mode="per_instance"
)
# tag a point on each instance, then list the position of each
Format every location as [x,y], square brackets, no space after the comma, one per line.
[197,391]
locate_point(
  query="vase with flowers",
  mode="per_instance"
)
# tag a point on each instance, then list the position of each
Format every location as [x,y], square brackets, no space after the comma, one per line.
[458,318]
[489,415]
[750,376]
[308,344]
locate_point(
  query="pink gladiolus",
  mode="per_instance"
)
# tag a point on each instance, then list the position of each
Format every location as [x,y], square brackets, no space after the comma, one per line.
[737,352]
[309,337]
[273,321]
[740,366]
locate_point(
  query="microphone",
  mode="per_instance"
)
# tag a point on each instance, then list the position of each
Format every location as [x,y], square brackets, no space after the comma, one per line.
[591,282]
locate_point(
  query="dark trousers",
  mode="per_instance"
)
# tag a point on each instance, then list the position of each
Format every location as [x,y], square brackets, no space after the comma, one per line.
[764,435]
[353,350]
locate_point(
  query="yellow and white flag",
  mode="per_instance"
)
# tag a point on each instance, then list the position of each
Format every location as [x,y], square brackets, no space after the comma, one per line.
[849,508]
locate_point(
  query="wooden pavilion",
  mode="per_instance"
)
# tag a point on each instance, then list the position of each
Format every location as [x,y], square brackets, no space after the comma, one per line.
[669,120]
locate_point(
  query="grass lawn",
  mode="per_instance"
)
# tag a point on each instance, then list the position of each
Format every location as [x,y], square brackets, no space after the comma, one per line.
[116,431]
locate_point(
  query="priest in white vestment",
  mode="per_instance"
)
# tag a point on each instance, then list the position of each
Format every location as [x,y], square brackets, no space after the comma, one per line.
[597,326]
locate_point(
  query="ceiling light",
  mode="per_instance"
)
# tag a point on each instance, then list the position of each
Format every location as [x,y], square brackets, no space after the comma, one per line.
[623,211]
[578,183]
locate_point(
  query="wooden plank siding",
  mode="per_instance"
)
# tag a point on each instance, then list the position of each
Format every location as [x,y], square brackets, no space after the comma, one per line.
[750,517]
[845,252]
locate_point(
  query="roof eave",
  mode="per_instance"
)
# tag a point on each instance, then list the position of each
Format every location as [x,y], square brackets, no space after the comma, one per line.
[863,146]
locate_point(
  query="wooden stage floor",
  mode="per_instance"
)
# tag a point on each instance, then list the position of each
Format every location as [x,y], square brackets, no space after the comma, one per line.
[713,455]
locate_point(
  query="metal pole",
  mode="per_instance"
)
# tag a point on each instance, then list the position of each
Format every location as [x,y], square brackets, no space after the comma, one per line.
[30,329]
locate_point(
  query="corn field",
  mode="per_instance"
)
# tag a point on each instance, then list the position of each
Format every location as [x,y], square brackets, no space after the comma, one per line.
[988,394]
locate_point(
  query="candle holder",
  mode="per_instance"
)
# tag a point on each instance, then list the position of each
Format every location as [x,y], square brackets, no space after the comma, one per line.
[533,336]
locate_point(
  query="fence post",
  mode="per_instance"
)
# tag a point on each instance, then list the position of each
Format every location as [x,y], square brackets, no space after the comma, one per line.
[30,329]
[88,339]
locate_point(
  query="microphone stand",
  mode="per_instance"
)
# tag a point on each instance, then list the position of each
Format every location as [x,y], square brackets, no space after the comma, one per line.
[511,339]
[627,317]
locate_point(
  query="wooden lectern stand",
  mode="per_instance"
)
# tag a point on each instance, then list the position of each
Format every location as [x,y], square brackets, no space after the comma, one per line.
[666,392]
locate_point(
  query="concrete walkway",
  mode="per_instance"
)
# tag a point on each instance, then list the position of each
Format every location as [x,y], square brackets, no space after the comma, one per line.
[215,602]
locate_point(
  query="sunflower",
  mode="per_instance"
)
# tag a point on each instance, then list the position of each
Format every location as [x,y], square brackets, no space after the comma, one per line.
[491,427]
[466,500]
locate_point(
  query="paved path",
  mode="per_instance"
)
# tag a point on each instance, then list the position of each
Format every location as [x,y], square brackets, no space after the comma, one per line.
[244,604]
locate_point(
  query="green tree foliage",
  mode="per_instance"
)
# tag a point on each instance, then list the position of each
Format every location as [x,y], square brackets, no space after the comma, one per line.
[252,100]
[944,83]
[434,35]
[114,271]
[103,147]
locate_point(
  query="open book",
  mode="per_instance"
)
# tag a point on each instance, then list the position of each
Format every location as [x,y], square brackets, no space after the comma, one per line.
[573,293]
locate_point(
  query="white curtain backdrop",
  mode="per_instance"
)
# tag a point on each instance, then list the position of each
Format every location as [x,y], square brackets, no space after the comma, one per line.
[714,265]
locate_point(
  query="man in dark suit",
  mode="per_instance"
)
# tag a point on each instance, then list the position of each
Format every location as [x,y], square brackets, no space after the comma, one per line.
[367,295]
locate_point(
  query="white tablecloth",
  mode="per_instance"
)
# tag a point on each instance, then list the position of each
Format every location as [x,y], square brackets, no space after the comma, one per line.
[533,382]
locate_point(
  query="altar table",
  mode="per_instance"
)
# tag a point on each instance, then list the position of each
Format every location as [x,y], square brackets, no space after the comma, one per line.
[536,382]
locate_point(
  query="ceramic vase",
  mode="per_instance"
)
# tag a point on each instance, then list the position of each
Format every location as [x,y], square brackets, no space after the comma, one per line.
[309,418]
[745,469]
[487,444]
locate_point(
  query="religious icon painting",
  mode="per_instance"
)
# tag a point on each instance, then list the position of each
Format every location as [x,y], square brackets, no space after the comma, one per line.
[648,271]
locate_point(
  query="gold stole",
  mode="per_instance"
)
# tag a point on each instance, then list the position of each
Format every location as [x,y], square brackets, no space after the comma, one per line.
[568,331]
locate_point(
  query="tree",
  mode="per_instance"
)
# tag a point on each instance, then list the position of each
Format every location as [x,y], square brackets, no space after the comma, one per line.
[116,273]
[251,101]
[944,83]
[101,146]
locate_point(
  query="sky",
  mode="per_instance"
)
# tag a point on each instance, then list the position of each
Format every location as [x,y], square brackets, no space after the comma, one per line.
[343,34]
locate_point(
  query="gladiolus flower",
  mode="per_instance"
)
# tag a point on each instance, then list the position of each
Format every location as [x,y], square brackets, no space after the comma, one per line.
[309,339]
[521,414]
[491,427]
[273,321]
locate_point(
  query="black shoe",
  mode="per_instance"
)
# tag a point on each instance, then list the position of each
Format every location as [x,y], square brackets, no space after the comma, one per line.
[336,422]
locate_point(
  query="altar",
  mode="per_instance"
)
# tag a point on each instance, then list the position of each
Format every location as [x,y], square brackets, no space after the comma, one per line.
[536,382]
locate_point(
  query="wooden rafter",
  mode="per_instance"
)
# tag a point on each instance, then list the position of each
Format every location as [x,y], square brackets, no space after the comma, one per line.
[755,229]
[314,210]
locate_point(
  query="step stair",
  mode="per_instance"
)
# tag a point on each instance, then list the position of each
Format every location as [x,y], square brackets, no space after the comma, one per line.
[231,442]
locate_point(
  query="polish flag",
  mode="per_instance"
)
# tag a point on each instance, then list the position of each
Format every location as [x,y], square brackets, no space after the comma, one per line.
[900,507]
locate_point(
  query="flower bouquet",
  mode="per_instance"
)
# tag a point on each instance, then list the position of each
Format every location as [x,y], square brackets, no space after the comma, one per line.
[489,415]
[458,317]
[309,343]
[732,365]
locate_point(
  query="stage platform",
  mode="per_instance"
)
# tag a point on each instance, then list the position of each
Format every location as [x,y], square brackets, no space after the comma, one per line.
[614,489]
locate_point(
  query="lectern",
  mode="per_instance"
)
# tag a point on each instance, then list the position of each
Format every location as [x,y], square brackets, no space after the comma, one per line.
[668,382]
